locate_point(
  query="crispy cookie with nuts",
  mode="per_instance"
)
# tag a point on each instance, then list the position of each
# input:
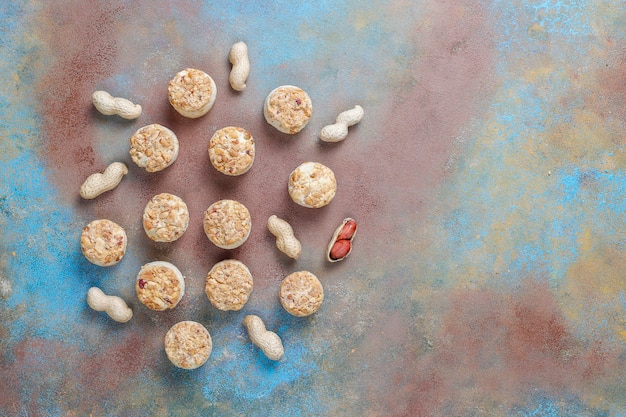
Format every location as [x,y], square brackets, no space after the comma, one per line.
[192,92]
[165,218]
[231,150]
[188,344]
[154,147]
[160,285]
[228,285]
[227,223]
[103,242]
[288,109]
[312,185]
[301,293]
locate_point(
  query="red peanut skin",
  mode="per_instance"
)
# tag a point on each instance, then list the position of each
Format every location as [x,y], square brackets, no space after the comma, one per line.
[341,244]
[347,231]
[340,249]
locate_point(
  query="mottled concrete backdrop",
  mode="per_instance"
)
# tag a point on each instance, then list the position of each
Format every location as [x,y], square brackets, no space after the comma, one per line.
[488,276]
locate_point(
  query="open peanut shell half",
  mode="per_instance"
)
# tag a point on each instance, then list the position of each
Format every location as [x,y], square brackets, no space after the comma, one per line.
[340,245]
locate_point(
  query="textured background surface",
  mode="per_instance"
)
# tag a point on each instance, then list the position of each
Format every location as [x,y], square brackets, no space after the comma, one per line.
[487,177]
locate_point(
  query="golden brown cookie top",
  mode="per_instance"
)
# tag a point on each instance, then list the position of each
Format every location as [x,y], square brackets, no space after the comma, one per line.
[154,147]
[227,223]
[165,217]
[160,285]
[228,285]
[188,344]
[231,150]
[312,185]
[301,293]
[103,242]
[288,109]
[192,92]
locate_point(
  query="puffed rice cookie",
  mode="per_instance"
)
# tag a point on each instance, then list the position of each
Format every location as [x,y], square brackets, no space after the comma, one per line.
[227,223]
[228,285]
[154,147]
[312,185]
[103,242]
[188,344]
[192,92]
[165,217]
[160,285]
[231,150]
[301,293]
[288,109]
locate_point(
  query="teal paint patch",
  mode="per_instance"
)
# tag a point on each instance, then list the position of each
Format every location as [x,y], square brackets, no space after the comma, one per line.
[546,241]
[289,40]
[557,17]
[536,25]
[570,188]
[542,405]
[241,375]
[514,185]
[313,44]
[566,18]
[47,281]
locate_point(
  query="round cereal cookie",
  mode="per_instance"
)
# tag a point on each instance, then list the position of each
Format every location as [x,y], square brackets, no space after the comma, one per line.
[312,185]
[228,285]
[288,109]
[103,242]
[160,285]
[301,293]
[165,217]
[154,147]
[227,223]
[192,92]
[188,344]
[231,150]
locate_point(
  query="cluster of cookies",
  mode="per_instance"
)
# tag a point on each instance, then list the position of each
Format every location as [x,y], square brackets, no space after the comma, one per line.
[160,285]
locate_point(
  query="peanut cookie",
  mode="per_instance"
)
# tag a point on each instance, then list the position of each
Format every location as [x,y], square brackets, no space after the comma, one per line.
[231,150]
[165,218]
[160,285]
[103,242]
[301,293]
[288,109]
[312,185]
[188,344]
[227,223]
[154,147]
[228,285]
[192,92]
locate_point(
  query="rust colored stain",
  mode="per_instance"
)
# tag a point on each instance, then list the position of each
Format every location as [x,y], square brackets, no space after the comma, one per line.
[453,82]
[32,357]
[611,88]
[121,362]
[100,375]
[498,347]
[10,381]
[86,35]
